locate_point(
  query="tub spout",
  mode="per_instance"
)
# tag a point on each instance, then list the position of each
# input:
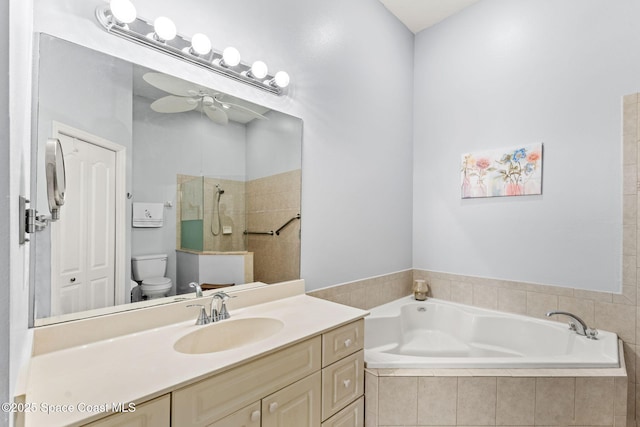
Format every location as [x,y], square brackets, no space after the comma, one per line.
[577,324]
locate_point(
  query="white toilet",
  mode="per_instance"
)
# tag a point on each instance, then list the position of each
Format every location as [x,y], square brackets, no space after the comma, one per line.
[150,269]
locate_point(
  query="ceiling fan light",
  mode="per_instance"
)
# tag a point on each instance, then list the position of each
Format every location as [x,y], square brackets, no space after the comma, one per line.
[258,70]
[200,44]
[123,11]
[281,79]
[164,29]
[230,57]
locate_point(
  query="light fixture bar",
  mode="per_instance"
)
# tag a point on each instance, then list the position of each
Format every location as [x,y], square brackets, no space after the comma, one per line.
[180,47]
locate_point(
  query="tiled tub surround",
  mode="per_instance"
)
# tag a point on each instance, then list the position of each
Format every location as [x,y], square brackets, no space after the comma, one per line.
[485,397]
[441,397]
[470,343]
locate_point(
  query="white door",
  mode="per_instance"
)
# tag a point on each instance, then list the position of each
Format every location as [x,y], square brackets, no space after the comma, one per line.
[83,240]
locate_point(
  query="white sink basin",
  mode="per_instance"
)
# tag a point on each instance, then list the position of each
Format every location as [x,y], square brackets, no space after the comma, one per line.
[227,335]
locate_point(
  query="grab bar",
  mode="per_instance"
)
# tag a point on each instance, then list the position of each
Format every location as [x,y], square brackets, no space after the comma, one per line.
[271,233]
[287,223]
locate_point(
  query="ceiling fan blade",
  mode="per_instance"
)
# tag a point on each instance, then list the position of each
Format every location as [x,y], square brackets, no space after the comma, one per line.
[172,85]
[174,104]
[217,115]
[244,110]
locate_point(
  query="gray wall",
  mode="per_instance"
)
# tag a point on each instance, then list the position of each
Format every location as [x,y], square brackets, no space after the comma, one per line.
[505,73]
[351,65]
[273,146]
[4,208]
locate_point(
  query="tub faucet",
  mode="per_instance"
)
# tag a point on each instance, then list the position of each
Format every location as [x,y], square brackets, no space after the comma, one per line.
[577,325]
[221,313]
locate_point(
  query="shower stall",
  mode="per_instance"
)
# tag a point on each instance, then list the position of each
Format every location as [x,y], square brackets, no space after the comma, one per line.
[212,214]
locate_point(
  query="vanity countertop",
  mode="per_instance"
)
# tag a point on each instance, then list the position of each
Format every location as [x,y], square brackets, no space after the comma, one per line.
[143,365]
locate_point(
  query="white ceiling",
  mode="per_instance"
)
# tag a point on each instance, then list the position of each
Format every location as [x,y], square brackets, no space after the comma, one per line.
[420,14]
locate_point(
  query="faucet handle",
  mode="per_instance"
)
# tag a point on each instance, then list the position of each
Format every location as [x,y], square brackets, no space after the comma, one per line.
[222,313]
[203,319]
[591,333]
[223,295]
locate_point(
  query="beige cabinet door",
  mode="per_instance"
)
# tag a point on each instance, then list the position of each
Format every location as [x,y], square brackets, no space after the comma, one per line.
[249,416]
[296,405]
[155,413]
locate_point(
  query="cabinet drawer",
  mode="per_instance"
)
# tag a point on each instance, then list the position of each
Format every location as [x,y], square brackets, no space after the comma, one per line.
[342,342]
[210,400]
[295,406]
[351,416]
[342,383]
[154,413]
[249,416]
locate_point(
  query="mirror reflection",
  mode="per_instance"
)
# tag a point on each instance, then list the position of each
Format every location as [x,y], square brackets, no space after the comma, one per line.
[168,183]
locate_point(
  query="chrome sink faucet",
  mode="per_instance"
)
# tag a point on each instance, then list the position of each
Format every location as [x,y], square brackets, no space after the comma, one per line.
[220,313]
[577,324]
[197,287]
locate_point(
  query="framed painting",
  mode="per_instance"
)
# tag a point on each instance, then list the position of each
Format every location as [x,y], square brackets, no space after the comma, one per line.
[505,172]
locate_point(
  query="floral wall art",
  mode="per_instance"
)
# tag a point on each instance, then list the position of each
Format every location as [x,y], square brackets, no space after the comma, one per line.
[505,172]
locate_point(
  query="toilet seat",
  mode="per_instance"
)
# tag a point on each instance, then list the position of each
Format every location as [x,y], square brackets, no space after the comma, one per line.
[156,287]
[156,281]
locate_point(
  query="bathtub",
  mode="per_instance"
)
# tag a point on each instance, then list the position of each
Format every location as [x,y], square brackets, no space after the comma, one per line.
[440,334]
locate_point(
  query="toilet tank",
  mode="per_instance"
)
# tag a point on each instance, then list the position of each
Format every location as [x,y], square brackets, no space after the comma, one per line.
[147,266]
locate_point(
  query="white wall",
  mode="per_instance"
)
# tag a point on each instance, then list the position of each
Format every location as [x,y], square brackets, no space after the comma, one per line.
[351,67]
[504,73]
[20,29]
[5,302]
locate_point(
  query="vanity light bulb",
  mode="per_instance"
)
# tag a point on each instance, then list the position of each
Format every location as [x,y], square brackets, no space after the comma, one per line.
[123,11]
[259,70]
[281,79]
[200,44]
[164,28]
[230,57]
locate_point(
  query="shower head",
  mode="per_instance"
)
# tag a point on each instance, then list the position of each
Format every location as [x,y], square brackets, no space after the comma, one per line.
[219,189]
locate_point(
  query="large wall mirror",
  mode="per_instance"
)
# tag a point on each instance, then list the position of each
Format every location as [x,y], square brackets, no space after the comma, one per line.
[167,183]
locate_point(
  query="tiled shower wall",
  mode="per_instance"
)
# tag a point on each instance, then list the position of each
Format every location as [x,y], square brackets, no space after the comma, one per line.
[271,202]
[197,198]
[619,313]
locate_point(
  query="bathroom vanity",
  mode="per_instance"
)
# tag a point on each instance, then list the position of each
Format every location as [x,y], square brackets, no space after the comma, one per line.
[282,359]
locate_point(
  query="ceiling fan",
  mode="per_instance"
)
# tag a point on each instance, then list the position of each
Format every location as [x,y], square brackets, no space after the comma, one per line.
[187,96]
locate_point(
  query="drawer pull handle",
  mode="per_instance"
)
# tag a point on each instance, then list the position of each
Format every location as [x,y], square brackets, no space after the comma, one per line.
[347,343]
[273,406]
[255,416]
[346,383]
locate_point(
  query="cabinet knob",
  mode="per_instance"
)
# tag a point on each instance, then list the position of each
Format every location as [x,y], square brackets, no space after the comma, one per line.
[346,383]
[273,407]
[255,416]
[347,342]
